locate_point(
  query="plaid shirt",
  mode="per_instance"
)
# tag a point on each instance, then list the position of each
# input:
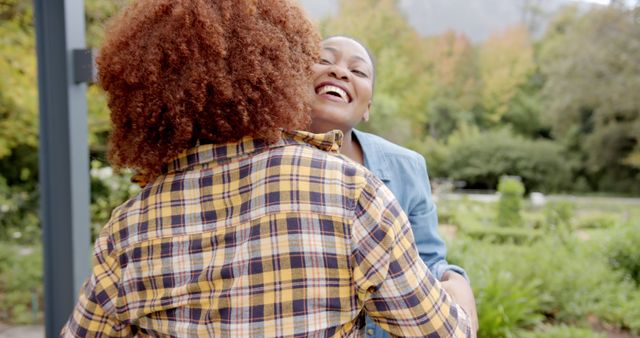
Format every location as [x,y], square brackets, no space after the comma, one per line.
[248,239]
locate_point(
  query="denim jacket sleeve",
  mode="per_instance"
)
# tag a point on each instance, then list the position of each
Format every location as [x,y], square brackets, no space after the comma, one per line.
[424,222]
[405,174]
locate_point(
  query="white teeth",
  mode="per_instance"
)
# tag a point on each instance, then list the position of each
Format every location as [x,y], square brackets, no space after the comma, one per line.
[334,89]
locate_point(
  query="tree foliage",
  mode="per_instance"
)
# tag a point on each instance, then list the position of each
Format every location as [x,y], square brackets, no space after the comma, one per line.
[454,82]
[481,158]
[593,74]
[19,113]
[506,62]
[18,94]
[570,93]
[561,111]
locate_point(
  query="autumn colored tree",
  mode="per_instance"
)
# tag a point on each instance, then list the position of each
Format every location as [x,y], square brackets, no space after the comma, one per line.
[575,88]
[506,62]
[454,81]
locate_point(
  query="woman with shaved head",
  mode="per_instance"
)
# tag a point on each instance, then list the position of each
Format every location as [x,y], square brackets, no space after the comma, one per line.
[344,81]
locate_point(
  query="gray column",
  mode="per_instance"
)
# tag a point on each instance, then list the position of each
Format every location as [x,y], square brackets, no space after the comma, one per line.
[64,157]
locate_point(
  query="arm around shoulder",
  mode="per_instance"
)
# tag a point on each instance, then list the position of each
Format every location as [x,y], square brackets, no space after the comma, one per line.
[395,286]
[94,313]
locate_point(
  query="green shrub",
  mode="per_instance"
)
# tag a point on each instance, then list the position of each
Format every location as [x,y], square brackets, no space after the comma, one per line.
[624,251]
[464,213]
[576,282]
[558,217]
[572,280]
[500,235]
[480,159]
[562,331]
[108,190]
[596,221]
[446,214]
[19,222]
[505,304]
[619,305]
[21,278]
[511,192]
[534,220]
[570,276]
[630,316]
[559,213]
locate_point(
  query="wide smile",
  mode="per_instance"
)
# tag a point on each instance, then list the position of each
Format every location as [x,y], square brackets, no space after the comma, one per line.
[333,92]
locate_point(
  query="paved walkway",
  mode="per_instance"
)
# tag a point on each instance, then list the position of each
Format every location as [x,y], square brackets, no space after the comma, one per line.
[494,197]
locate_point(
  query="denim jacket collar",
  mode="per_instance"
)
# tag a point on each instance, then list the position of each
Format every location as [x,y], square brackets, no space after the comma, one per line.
[374,157]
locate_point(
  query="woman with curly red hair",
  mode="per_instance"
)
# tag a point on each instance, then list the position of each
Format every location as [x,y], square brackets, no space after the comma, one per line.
[183,73]
[245,227]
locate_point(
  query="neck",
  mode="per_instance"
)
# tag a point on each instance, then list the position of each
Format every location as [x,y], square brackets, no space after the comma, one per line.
[351,147]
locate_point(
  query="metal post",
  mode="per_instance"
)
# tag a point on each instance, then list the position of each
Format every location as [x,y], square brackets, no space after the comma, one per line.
[64,157]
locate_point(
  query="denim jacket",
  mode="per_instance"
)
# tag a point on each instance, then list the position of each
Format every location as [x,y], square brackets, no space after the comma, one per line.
[404,172]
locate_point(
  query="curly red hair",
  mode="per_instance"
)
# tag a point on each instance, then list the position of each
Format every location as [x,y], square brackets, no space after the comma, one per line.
[179,72]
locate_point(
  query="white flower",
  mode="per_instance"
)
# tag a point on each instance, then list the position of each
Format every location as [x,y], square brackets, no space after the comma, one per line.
[102,173]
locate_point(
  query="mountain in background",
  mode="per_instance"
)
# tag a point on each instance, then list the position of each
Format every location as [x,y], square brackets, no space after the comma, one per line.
[478,19]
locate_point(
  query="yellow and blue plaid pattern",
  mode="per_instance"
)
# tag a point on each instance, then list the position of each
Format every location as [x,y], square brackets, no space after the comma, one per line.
[254,240]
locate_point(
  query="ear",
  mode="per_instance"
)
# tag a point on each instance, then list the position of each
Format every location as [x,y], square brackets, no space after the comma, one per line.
[365,117]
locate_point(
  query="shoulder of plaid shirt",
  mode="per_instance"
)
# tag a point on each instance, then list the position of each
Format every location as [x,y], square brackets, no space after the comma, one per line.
[248,239]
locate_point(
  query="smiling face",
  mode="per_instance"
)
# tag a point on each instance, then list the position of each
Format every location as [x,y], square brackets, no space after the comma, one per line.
[343,83]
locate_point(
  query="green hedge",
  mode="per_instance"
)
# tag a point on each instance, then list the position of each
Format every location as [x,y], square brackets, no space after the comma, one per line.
[624,251]
[21,278]
[562,331]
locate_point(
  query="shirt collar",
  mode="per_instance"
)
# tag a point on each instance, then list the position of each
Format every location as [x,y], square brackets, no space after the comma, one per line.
[374,156]
[248,145]
[330,141]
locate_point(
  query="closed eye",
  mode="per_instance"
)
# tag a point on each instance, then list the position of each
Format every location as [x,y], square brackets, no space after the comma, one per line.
[325,62]
[359,73]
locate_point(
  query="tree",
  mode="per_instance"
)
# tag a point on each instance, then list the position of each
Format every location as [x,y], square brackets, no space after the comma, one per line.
[506,63]
[18,88]
[592,70]
[454,79]
[525,109]
[19,111]
[18,93]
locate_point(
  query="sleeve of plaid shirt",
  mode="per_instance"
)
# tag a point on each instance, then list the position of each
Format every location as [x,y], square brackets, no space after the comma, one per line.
[94,314]
[397,289]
